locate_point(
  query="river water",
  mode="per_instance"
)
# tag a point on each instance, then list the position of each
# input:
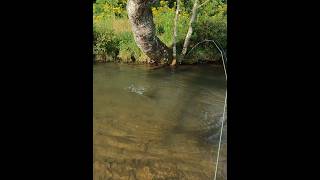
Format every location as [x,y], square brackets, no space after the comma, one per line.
[158,124]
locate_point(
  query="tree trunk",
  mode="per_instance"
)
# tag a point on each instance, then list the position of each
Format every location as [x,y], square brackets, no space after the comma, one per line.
[143,28]
[190,30]
[174,54]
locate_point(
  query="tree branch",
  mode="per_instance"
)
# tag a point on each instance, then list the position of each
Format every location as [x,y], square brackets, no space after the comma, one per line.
[203,3]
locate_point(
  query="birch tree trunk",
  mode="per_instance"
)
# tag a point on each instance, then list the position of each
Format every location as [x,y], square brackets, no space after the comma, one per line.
[174,54]
[143,28]
[190,30]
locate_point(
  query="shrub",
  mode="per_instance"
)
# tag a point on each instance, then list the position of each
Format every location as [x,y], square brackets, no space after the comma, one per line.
[211,24]
[114,41]
[105,44]
[128,49]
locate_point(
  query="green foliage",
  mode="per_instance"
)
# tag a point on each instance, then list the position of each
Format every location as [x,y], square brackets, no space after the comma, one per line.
[163,18]
[105,45]
[211,24]
[128,49]
[113,39]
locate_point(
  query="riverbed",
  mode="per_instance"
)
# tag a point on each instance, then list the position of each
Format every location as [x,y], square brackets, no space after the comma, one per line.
[158,124]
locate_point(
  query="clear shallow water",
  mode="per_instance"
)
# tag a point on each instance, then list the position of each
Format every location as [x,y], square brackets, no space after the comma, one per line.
[158,124]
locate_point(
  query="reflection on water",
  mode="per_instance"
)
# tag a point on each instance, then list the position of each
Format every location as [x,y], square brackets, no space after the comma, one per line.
[157,124]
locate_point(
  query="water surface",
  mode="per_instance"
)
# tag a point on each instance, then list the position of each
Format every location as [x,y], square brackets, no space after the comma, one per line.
[158,124]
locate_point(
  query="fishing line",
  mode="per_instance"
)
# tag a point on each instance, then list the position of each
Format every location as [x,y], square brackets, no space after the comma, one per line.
[220,138]
[224,60]
[224,110]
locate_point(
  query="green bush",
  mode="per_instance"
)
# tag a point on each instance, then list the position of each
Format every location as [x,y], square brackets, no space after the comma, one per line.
[105,43]
[113,39]
[128,49]
[164,21]
[211,24]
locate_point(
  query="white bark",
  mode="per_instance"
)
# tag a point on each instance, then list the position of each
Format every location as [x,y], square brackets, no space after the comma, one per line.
[174,54]
[190,30]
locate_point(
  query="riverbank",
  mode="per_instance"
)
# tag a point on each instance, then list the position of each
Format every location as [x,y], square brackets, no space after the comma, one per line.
[114,42]
[184,63]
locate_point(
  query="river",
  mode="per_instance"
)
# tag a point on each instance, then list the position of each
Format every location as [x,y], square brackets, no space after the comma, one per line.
[158,124]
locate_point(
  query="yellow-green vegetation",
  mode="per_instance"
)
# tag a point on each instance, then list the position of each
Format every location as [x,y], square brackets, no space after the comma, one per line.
[113,39]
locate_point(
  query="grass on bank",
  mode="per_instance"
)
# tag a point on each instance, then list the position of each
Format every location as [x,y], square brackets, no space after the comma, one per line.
[113,39]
